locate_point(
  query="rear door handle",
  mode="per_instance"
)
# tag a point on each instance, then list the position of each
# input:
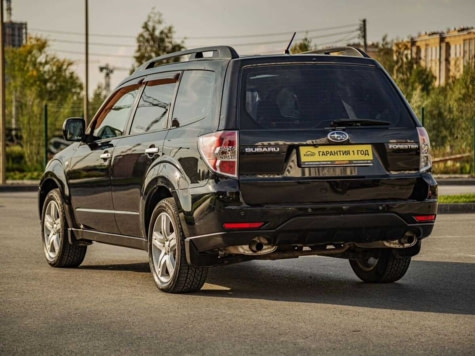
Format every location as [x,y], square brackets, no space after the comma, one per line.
[151,151]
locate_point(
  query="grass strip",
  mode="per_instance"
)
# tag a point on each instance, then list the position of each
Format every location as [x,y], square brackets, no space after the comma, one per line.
[458,198]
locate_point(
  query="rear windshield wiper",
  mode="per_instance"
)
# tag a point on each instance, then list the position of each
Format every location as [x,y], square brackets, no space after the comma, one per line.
[359,122]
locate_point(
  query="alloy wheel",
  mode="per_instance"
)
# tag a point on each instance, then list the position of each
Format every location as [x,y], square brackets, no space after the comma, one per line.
[164,247]
[52,230]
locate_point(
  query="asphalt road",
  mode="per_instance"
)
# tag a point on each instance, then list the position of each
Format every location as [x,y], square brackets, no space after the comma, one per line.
[306,306]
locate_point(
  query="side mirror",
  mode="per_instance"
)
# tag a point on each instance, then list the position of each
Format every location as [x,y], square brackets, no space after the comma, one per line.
[74,129]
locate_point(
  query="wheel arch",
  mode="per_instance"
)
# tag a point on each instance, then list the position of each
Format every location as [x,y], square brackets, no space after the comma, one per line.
[55,178]
[47,185]
[159,193]
[163,180]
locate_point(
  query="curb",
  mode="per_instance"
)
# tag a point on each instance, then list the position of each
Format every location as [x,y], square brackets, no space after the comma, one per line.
[18,187]
[455,181]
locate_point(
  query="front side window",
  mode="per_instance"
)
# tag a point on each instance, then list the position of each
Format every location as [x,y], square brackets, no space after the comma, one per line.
[195,97]
[312,96]
[154,105]
[112,120]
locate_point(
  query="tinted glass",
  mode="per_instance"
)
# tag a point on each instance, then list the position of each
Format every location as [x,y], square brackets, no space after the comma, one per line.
[310,96]
[112,119]
[195,97]
[154,105]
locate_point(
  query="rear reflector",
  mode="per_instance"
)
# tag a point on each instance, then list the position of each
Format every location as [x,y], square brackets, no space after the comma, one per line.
[424,218]
[243,226]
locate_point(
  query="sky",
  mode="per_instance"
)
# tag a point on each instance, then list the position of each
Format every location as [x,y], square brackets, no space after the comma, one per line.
[250,26]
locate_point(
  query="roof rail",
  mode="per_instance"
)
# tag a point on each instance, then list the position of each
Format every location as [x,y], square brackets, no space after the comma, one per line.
[225,52]
[340,51]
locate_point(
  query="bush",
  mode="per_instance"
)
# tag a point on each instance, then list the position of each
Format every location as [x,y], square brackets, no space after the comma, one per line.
[23,175]
[16,168]
[15,158]
[453,167]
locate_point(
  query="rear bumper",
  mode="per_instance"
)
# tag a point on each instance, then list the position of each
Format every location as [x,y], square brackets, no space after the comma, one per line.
[312,225]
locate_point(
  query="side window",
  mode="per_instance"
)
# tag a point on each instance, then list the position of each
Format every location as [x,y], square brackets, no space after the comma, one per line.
[195,97]
[154,105]
[112,120]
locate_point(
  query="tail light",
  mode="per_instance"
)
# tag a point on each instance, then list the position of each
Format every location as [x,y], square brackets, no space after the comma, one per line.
[425,153]
[220,151]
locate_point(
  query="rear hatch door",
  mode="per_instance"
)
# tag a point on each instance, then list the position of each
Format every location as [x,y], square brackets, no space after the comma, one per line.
[324,132]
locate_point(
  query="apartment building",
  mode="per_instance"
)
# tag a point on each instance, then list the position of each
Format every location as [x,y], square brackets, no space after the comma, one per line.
[15,34]
[444,53]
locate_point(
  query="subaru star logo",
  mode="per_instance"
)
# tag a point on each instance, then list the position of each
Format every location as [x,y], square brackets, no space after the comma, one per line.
[338,136]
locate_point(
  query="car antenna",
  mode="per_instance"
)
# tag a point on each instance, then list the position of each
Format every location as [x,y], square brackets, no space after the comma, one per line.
[287,50]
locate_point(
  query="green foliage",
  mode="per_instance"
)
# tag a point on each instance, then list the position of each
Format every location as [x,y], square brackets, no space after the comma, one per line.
[449,114]
[303,46]
[415,81]
[454,166]
[385,54]
[410,76]
[16,168]
[98,97]
[35,78]
[30,175]
[15,158]
[449,109]
[458,198]
[155,40]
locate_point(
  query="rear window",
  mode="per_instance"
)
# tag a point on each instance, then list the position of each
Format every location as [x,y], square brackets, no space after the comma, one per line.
[313,96]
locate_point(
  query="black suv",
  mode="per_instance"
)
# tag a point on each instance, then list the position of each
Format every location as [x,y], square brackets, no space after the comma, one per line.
[215,159]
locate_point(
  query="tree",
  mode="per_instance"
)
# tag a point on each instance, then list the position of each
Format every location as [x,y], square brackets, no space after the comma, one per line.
[35,78]
[98,98]
[449,109]
[450,113]
[305,45]
[409,74]
[385,54]
[415,81]
[155,40]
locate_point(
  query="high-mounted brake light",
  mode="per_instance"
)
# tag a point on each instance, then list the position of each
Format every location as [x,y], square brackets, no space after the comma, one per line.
[425,153]
[220,151]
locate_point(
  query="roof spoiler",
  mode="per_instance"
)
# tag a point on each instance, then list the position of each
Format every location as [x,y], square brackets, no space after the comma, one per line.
[340,51]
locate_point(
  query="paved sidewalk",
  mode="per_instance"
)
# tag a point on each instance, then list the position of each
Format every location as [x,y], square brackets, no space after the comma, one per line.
[456,189]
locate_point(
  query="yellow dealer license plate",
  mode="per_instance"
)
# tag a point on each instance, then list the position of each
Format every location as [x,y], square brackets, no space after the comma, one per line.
[349,155]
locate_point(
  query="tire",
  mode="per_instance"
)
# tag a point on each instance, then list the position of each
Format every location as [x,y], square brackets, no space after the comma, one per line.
[381,267]
[57,249]
[167,257]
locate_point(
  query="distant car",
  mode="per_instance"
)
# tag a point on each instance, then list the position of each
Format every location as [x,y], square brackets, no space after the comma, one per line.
[220,159]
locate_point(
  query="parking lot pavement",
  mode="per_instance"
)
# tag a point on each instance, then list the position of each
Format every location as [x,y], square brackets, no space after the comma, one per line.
[306,306]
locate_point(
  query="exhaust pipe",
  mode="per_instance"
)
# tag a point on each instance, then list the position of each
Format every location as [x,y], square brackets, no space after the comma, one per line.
[256,245]
[408,240]
[259,245]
